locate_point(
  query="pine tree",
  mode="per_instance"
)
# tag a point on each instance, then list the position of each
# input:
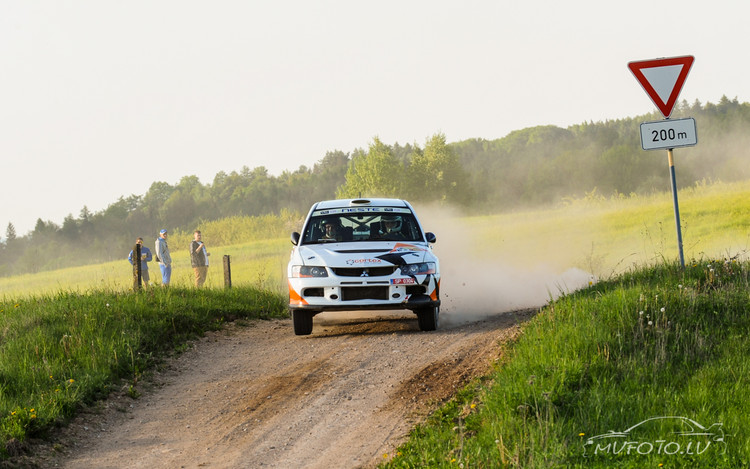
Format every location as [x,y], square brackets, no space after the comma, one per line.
[10,232]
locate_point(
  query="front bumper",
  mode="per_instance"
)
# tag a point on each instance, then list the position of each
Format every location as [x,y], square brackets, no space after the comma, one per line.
[321,295]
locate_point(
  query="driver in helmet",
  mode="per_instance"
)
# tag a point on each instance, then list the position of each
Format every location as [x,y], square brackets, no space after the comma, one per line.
[331,230]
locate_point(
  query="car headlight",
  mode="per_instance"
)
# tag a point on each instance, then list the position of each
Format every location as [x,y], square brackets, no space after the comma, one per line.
[302,271]
[418,269]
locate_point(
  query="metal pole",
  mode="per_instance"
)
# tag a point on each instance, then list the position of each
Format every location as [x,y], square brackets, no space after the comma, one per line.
[676,205]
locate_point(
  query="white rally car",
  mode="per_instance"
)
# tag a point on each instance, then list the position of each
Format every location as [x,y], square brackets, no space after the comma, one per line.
[358,254]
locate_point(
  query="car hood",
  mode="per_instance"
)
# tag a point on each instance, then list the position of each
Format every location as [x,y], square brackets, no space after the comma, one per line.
[368,254]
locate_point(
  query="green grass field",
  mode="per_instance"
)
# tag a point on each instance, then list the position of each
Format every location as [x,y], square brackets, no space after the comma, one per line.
[589,363]
[607,236]
[258,263]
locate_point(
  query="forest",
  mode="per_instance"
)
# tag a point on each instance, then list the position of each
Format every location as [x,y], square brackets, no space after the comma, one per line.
[527,168]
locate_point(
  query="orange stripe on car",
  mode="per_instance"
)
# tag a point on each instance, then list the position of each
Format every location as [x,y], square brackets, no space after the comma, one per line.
[294,297]
[434,294]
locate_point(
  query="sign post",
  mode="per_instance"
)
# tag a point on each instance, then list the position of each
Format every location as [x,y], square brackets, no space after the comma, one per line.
[662,79]
[672,178]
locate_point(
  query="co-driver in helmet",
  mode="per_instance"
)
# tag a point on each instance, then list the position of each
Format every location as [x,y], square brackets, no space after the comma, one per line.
[392,227]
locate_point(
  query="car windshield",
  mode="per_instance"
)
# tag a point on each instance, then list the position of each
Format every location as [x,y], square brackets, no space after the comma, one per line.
[361,224]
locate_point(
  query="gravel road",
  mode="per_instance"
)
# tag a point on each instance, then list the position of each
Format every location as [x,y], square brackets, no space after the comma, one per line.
[257,396]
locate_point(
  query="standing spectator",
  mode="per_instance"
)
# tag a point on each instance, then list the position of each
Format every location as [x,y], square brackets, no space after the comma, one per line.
[145,258]
[199,259]
[163,257]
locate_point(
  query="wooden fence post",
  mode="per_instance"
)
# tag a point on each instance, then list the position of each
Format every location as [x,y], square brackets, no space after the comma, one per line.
[137,273]
[227,272]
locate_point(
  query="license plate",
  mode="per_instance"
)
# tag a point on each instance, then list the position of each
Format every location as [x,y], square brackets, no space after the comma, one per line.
[403,281]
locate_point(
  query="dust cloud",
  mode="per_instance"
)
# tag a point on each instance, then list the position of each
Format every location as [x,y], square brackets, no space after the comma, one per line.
[477,284]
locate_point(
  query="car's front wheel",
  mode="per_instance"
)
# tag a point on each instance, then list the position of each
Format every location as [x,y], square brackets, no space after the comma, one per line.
[428,318]
[303,322]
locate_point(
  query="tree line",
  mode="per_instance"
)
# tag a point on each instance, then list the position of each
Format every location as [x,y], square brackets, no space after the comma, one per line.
[527,168]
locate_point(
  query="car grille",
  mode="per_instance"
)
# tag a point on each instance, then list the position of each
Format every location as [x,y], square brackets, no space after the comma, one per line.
[364,293]
[364,272]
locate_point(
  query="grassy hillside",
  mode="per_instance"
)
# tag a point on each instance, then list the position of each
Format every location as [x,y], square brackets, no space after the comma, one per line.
[658,346]
[609,235]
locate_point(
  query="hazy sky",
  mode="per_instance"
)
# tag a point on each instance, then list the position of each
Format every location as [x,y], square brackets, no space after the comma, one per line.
[98,99]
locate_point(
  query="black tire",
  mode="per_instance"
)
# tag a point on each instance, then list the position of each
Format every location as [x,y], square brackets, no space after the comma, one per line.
[303,322]
[428,318]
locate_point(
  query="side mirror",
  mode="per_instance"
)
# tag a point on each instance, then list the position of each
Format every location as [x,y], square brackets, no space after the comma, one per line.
[295,238]
[430,237]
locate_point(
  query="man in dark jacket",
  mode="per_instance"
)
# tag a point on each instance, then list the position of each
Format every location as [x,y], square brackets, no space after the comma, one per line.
[199,259]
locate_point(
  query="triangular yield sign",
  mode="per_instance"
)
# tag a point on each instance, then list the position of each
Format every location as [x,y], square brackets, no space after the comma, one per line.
[662,79]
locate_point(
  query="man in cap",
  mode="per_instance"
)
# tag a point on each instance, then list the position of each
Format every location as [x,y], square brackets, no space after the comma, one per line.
[163,257]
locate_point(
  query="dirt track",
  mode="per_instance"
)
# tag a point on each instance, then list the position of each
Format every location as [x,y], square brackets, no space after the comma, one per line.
[258,396]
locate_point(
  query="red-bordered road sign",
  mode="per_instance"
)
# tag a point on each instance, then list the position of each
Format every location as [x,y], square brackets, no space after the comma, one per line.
[663,79]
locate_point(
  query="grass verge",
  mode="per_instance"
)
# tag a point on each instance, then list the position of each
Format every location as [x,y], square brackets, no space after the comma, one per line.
[654,342]
[59,351]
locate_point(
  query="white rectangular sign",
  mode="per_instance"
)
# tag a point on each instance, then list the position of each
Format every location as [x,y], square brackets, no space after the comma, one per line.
[669,133]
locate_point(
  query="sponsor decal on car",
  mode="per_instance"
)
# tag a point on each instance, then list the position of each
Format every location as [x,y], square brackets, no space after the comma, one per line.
[403,247]
[330,211]
[363,261]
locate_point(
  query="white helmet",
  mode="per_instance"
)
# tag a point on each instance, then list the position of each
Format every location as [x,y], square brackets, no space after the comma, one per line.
[394,219]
